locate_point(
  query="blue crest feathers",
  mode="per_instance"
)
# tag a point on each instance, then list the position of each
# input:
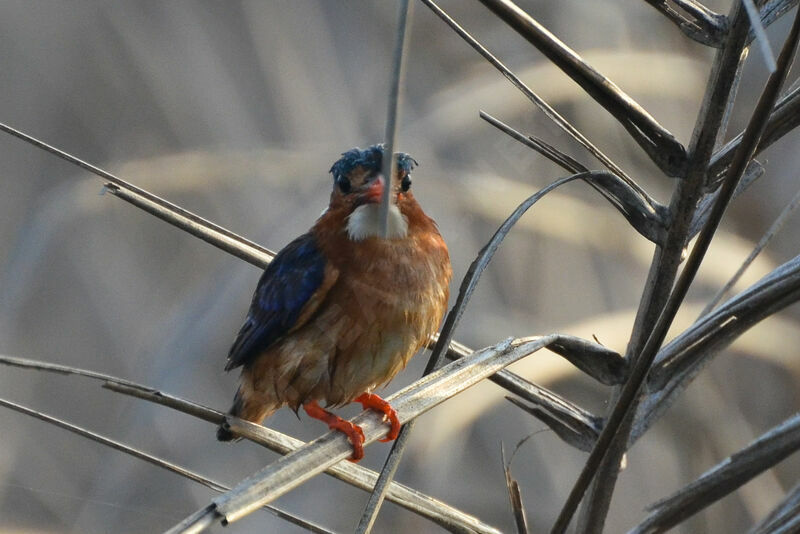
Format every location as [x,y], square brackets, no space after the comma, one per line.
[370,158]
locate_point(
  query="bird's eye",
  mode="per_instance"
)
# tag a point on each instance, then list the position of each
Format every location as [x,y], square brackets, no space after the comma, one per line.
[405,184]
[344,184]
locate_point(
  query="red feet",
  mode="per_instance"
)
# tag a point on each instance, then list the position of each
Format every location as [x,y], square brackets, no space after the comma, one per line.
[353,432]
[370,401]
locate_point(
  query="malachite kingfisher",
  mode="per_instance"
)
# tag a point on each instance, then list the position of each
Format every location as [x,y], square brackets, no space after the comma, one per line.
[342,309]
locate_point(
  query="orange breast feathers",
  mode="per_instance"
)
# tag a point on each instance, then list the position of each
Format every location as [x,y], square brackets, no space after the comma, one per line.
[389,297]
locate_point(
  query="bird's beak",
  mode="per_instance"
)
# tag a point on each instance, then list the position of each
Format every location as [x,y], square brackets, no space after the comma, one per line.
[374,190]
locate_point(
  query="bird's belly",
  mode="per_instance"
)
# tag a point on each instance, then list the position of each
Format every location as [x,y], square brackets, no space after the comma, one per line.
[372,361]
[345,350]
[394,312]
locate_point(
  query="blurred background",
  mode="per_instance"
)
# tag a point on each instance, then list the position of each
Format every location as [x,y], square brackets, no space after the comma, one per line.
[236,110]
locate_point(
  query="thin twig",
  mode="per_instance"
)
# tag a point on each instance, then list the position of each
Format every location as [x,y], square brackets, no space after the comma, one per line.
[514,493]
[760,34]
[771,232]
[390,137]
[582,438]
[385,478]
[550,152]
[205,230]
[154,460]
[26,363]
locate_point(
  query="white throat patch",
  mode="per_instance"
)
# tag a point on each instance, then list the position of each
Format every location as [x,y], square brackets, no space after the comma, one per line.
[364,222]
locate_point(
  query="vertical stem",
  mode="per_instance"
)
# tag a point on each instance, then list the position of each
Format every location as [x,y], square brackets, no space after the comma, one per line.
[389,163]
[603,464]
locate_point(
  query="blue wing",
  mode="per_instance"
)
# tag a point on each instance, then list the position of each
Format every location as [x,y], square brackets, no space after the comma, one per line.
[287,285]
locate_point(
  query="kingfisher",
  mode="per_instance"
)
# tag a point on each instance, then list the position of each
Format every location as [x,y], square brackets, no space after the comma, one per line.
[342,309]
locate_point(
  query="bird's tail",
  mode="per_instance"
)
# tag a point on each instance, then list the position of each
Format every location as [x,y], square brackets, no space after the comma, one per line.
[223,431]
[224,434]
[249,409]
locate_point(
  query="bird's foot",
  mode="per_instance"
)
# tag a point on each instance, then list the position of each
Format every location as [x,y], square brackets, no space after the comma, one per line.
[334,422]
[370,401]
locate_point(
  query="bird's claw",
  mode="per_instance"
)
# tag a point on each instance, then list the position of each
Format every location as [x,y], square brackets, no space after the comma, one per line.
[370,401]
[353,432]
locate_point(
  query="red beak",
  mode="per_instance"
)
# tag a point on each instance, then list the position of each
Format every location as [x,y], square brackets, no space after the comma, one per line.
[374,192]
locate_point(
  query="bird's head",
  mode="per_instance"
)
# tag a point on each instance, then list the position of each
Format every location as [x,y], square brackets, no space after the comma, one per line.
[358,186]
